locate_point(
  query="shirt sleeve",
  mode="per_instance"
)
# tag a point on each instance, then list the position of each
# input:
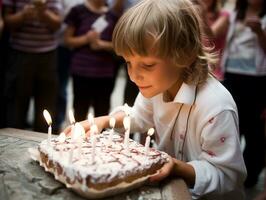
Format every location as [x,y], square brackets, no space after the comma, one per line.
[220,167]
[72,17]
[142,114]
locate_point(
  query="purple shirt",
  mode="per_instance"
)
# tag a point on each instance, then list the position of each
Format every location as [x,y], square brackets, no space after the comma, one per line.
[85,61]
[34,36]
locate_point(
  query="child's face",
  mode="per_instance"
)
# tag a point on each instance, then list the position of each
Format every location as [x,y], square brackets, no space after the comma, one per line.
[153,75]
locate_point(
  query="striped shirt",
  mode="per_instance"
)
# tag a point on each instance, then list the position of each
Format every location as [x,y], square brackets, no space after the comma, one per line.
[34,36]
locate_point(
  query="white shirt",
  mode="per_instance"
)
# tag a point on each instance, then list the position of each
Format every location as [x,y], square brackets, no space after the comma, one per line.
[211,136]
[243,53]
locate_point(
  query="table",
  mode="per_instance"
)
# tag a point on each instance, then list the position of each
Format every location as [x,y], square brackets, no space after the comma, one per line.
[23,178]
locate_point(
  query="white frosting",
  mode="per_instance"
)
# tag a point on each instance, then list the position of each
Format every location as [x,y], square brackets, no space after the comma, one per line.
[111,162]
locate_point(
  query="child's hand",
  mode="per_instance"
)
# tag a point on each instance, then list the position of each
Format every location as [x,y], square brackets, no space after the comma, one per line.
[100,122]
[164,172]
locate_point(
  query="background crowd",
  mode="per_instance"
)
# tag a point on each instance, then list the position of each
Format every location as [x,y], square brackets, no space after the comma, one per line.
[44,43]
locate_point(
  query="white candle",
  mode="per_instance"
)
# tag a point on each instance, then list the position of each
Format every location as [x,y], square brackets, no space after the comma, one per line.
[48,119]
[112,125]
[126,123]
[90,119]
[148,140]
[79,148]
[93,152]
[94,131]
[62,137]
[78,137]
[72,122]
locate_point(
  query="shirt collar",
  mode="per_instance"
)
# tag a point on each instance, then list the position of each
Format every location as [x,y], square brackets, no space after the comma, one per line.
[186,94]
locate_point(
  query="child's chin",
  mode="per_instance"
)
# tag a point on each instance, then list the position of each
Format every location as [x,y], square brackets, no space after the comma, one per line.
[147,95]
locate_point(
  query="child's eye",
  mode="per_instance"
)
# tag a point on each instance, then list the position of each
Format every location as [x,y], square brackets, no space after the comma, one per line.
[148,65]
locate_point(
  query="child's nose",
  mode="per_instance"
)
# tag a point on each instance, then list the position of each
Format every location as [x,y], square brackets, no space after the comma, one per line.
[135,75]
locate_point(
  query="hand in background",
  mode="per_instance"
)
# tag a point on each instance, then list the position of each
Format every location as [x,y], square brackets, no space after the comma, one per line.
[39,5]
[29,12]
[97,45]
[92,36]
[41,8]
[255,24]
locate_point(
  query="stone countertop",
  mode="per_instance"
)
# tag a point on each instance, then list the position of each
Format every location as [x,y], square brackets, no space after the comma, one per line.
[23,178]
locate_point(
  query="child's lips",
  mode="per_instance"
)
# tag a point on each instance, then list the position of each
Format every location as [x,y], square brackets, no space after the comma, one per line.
[144,87]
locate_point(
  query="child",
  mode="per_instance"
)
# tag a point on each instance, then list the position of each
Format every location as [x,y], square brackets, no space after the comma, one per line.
[244,63]
[194,116]
[92,63]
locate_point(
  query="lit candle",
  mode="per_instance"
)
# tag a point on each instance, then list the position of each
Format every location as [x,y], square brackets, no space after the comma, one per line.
[148,140]
[78,137]
[61,138]
[94,131]
[72,122]
[112,125]
[48,119]
[90,119]
[126,123]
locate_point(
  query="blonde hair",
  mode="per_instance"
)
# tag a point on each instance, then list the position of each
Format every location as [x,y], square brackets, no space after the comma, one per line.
[171,29]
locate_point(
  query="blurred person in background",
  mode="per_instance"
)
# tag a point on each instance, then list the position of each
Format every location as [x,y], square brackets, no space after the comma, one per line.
[131,90]
[92,64]
[218,22]
[244,63]
[31,71]
[63,64]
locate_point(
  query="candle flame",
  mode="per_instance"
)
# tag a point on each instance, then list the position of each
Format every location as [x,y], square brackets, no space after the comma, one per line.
[62,137]
[112,122]
[47,117]
[151,131]
[126,122]
[71,117]
[90,119]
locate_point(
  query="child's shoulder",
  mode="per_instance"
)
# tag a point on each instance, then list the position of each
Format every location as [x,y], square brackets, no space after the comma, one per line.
[213,97]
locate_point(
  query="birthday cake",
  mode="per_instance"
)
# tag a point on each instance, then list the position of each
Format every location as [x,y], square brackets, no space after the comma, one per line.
[98,168]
